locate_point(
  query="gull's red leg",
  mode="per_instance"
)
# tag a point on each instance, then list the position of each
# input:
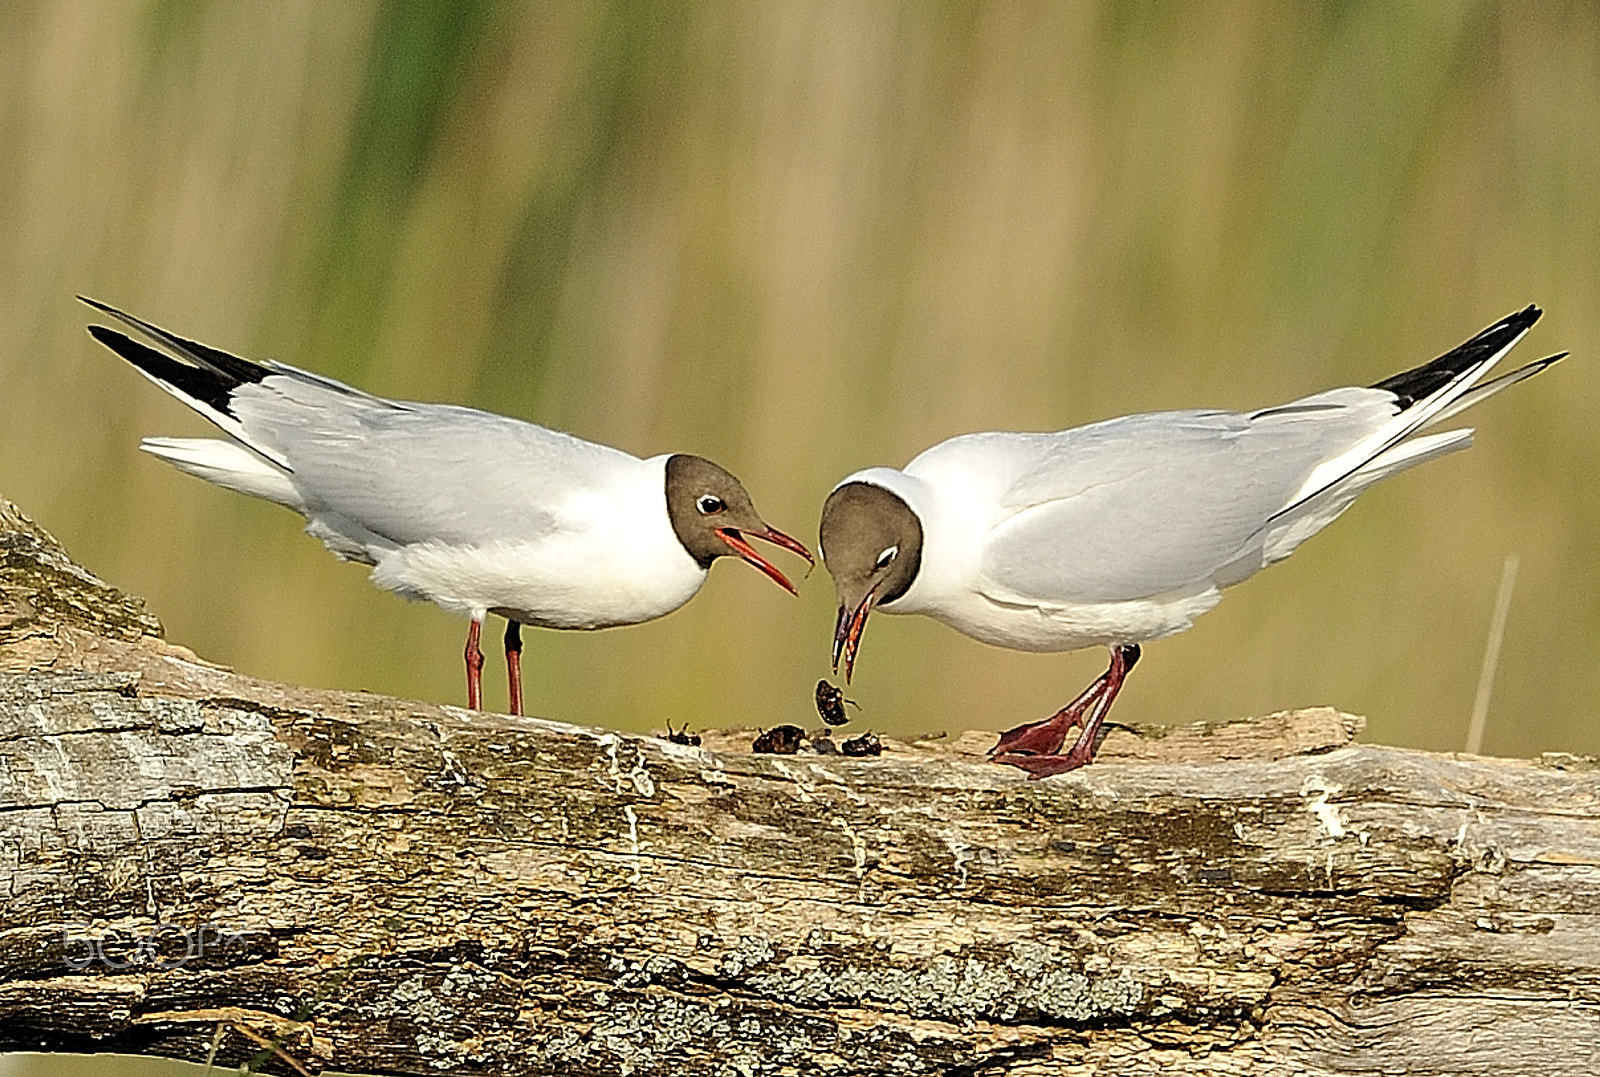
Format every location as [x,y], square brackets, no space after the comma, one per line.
[474,666]
[1046,736]
[1042,765]
[514,666]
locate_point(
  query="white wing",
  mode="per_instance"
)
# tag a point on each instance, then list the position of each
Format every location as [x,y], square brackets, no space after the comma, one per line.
[1150,504]
[410,472]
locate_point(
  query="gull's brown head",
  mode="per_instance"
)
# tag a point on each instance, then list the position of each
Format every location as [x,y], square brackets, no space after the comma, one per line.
[871,542]
[713,516]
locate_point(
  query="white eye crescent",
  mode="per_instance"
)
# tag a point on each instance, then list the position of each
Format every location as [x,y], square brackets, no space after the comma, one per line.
[886,557]
[709,504]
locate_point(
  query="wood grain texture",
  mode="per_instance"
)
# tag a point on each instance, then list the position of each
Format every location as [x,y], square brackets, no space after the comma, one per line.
[386,886]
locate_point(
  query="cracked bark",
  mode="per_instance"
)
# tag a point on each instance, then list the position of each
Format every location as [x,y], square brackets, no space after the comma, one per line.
[395,887]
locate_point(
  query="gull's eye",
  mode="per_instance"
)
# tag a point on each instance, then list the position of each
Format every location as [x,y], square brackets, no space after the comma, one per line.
[886,557]
[710,504]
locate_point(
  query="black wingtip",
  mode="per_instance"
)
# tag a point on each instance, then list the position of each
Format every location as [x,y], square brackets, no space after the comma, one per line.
[198,383]
[1410,386]
[232,368]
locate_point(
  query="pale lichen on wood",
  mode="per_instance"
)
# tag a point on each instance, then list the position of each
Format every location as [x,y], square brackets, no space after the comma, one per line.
[393,886]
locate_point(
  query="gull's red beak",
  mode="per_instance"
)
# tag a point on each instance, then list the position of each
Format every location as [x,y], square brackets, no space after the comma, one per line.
[735,540]
[847,632]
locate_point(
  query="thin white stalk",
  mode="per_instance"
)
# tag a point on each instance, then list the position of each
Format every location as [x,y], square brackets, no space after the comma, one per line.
[1491,656]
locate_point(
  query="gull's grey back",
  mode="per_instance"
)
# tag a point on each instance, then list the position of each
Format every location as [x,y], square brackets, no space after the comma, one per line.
[410,472]
[1139,506]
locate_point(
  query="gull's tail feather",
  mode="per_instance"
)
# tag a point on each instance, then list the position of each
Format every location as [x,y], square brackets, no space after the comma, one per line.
[230,465]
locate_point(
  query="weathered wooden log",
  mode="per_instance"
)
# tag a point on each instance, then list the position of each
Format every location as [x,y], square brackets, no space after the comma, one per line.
[193,860]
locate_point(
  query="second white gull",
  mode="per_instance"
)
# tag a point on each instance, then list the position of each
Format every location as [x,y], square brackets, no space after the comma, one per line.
[1126,530]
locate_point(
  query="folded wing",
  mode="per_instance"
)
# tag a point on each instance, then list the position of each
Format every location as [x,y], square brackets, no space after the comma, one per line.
[367,472]
[1154,504]
[1170,502]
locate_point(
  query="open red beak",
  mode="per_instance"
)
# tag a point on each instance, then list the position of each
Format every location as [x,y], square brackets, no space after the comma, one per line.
[735,540]
[847,633]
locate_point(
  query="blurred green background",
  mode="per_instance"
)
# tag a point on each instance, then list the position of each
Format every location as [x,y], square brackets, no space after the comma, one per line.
[804,238]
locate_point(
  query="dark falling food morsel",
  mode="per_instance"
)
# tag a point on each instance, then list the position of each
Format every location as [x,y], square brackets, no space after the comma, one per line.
[830,703]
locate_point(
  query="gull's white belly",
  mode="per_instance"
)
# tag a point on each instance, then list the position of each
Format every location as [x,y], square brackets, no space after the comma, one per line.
[562,581]
[1040,627]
